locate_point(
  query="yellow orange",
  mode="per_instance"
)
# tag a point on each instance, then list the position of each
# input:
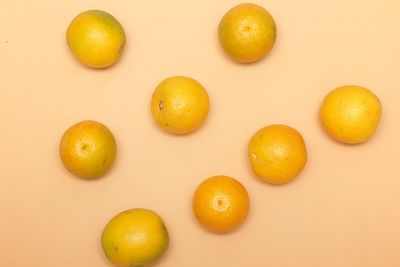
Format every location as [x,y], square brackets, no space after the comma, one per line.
[277,153]
[135,237]
[247,32]
[179,105]
[96,38]
[351,114]
[221,204]
[88,149]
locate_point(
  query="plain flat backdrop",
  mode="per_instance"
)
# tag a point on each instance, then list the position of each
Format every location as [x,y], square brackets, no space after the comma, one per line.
[342,211]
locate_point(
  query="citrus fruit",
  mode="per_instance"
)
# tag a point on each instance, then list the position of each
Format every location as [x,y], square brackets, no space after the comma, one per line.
[179,105]
[135,237]
[277,153]
[247,32]
[221,204]
[88,149]
[96,38]
[350,114]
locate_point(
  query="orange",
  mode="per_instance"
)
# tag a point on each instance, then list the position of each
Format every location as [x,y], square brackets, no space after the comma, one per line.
[247,32]
[277,153]
[221,204]
[96,38]
[135,237]
[88,149]
[179,105]
[351,114]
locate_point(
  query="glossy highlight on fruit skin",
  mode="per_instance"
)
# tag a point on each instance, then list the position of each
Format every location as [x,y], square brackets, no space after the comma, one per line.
[179,105]
[88,149]
[221,204]
[277,154]
[135,237]
[351,114]
[96,38]
[247,32]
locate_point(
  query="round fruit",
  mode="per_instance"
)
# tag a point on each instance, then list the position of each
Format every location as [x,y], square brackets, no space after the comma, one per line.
[221,204]
[179,105]
[350,114]
[96,38]
[247,32]
[277,154]
[88,149]
[135,237]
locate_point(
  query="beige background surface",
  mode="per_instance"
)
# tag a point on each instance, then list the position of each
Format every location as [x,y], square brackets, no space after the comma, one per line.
[343,210]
